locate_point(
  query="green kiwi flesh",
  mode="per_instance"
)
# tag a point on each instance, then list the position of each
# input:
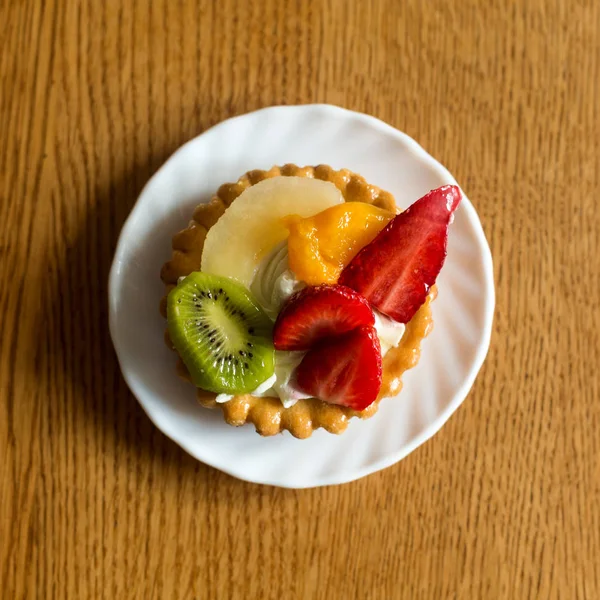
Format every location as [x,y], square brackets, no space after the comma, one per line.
[221,333]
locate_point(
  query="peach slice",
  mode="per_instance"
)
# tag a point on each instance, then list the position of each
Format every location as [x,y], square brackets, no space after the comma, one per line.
[319,247]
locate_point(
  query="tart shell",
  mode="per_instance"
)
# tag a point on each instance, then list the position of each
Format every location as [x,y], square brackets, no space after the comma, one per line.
[268,415]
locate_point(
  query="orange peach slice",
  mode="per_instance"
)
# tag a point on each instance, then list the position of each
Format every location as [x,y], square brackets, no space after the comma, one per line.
[320,246]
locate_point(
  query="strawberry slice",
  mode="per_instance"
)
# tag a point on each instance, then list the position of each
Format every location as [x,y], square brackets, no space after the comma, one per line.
[318,312]
[395,271]
[343,370]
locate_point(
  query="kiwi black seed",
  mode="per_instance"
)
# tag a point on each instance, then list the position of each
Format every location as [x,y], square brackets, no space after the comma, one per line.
[213,321]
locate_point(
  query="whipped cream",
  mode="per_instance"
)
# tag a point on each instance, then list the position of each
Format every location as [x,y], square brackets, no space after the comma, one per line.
[389,332]
[273,284]
[259,391]
[284,386]
[280,384]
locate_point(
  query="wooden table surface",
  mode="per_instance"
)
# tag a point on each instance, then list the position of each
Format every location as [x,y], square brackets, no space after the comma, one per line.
[96,503]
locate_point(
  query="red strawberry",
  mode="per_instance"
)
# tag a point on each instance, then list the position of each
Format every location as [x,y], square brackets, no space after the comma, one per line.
[317,312]
[395,271]
[343,370]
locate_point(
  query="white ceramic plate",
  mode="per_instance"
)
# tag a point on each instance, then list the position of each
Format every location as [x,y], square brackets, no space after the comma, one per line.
[305,135]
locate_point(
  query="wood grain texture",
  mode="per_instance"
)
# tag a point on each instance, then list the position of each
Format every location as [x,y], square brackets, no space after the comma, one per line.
[96,503]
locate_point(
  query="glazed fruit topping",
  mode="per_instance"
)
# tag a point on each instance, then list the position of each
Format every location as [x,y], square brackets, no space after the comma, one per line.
[221,334]
[319,247]
[344,370]
[395,271]
[319,312]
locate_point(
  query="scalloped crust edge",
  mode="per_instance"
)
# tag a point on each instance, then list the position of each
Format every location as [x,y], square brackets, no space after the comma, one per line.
[268,414]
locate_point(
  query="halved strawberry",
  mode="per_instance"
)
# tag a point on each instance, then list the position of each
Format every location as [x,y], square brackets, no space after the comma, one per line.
[395,271]
[343,370]
[317,312]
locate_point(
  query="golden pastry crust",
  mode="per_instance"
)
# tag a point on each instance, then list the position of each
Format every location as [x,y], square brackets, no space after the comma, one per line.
[268,414]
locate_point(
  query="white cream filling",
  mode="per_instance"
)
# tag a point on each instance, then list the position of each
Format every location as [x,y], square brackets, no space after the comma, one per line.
[280,384]
[274,283]
[389,332]
[259,391]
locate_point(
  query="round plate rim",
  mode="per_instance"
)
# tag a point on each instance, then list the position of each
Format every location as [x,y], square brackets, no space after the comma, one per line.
[459,395]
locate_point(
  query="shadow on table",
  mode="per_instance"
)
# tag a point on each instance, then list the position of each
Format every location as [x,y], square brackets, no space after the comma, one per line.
[96,399]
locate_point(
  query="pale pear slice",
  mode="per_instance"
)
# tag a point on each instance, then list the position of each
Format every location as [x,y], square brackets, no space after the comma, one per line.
[252,226]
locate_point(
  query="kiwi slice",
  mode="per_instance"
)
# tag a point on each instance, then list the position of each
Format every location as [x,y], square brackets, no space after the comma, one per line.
[221,333]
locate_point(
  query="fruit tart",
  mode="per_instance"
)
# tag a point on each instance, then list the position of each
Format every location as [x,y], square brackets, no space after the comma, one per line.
[297,297]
